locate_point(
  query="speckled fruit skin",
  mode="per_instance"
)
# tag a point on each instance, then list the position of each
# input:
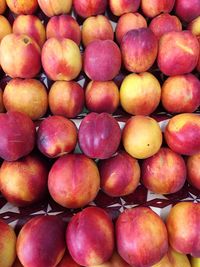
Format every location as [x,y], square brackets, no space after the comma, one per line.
[7,244]
[139,222]
[193,171]
[29,180]
[120,174]
[154,8]
[22,7]
[53,8]
[74,181]
[56,136]
[121,7]
[182,223]
[39,238]
[21,51]
[178,53]
[88,8]
[17,133]
[139,49]
[182,134]
[95,136]
[187,11]
[83,231]
[164,173]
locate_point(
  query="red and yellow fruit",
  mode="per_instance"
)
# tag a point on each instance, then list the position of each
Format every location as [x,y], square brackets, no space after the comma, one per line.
[53,8]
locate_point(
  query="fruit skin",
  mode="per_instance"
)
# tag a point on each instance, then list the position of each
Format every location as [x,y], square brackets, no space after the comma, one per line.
[41,241]
[66,99]
[17,133]
[88,8]
[29,180]
[102,96]
[5,27]
[83,231]
[194,26]
[96,28]
[165,23]
[64,26]
[195,262]
[53,8]
[21,7]
[33,93]
[127,22]
[102,60]
[173,259]
[1,101]
[120,174]
[56,136]
[155,7]
[181,93]
[95,136]
[3,6]
[121,7]
[67,261]
[74,181]
[139,49]
[32,26]
[178,53]
[137,251]
[193,171]
[137,97]
[21,51]
[187,11]
[115,261]
[182,134]
[141,137]
[7,244]
[57,55]
[164,173]
[182,223]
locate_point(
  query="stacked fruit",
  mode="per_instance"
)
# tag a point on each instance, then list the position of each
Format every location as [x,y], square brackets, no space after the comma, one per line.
[134,56]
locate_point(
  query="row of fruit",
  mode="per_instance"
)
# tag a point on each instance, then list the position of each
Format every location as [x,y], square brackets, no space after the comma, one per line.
[90,238]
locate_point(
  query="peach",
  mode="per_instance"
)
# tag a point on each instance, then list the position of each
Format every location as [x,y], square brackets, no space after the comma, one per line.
[193,171]
[165,23]
[99,135]
[181,93]
[26,95]
[21,51]
[41,241]
[61,59]
[21,7]
[96,28]
[31,26]
[195,262]
[152,8]
[102,96]
[7,244]
[142,137]
[90,237]
[29,180]
[3,6]
[74,181]
[115,261]
[194,26]
[102,60]
[1,101]
[182,134]
[120,174]
[87,8]
[127,22]
[121,7]
[178,53]
[164,172]
[141,237]
[67,261]
[187,11]
[5,27]
[182,223]
[64,26]
[56,136]
[198,63]
[140,94]
[173,259]
[52,8]
[66,99]
[17,133]
[139,49]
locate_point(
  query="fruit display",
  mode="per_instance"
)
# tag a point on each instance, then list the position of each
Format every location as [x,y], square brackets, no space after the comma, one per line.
[99,133]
